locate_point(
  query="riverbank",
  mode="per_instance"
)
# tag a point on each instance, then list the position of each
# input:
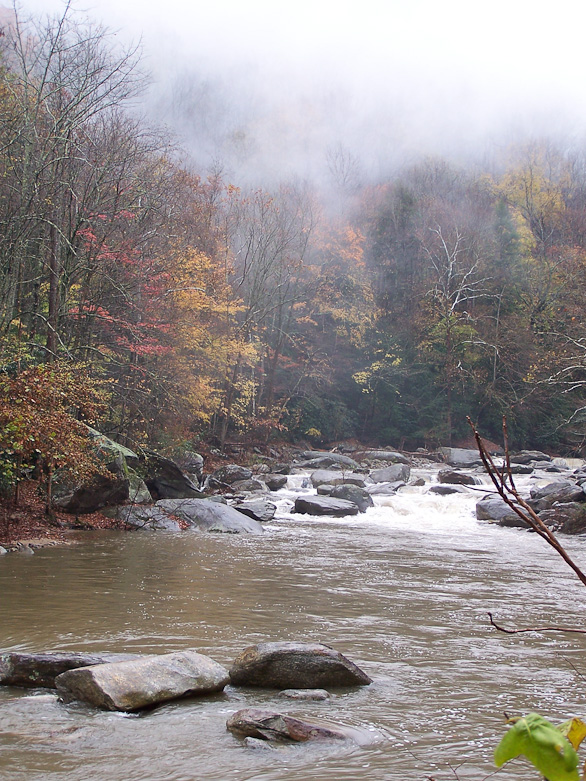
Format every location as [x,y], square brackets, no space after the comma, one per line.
[26,523]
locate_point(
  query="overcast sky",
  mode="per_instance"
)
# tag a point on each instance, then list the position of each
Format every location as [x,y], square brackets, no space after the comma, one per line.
[372,75]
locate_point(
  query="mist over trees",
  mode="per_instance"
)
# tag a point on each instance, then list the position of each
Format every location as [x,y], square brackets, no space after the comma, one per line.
[384,308]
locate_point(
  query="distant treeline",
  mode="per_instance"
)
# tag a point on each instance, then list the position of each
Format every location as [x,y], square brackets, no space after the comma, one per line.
[213,312]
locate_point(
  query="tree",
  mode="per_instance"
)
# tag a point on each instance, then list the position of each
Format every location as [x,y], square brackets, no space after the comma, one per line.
[64,77]
[41,413]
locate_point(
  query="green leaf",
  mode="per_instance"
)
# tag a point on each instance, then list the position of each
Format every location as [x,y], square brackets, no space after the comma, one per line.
[543,744]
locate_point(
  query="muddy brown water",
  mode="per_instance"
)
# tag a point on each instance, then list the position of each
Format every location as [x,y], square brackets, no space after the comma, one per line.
[403,591]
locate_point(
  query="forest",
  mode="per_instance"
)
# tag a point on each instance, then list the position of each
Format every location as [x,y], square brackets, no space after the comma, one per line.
[169,305]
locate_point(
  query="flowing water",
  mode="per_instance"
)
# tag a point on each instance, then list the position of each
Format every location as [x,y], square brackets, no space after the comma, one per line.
[403,590]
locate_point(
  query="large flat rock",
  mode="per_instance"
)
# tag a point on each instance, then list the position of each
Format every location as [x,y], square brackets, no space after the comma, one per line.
[382,455]
[132,685]
[327,458]
[207,516]
[41,669]
[336,477]
[325,505]
[391,474]
[460,457]
[289,665]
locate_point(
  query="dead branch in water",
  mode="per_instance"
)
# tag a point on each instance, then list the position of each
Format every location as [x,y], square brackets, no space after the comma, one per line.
[505,485]
[535,628]
[502,479]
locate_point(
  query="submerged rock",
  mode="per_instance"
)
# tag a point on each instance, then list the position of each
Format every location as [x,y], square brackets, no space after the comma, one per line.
[446,490]
[132,685]
[274,726]
[385,489]
[32,670]
[289,665]
[317,695]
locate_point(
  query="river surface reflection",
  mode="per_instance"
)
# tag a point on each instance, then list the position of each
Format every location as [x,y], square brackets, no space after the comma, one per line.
[402,590]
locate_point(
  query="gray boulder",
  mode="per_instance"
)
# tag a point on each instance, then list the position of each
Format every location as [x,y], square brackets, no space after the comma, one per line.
[493,508]
[275,482]
[521,469]
[290,665]
[460,457]
[191,463]
[109,450]
[385,489]
[32,670]
[569,518]
[513,521]
[148,518]
[165,480]
[231,473]
[308,695]
[545,496]
[452,477]
[324,505]
[132,685]
[95,494]
[325,489]
[252,485]
[331,477]
[445,490]
[259,509]
[274,726]
[382,455]
[391,474]
[352,493]
[327,458]
[527,456]
[206,516]
[138,493]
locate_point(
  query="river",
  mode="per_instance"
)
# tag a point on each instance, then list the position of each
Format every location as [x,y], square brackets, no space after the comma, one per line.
[402,590]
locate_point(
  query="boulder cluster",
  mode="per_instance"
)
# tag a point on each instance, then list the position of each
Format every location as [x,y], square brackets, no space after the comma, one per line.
[560,503]
[131,683]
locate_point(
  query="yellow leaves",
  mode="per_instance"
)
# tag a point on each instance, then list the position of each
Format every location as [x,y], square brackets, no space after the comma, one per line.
[574,730]
[535,189]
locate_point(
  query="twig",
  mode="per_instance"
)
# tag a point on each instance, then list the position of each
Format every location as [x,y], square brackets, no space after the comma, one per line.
[536,628]
[517,503]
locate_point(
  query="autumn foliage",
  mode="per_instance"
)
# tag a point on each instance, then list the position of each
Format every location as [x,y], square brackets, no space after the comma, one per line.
[216,312]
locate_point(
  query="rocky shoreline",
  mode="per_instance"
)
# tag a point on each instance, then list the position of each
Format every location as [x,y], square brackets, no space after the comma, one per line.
[151,492]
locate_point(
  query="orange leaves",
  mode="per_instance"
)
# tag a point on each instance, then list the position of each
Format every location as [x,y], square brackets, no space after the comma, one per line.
[38,409]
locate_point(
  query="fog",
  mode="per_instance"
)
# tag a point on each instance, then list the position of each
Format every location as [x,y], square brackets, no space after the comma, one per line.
[347,91]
